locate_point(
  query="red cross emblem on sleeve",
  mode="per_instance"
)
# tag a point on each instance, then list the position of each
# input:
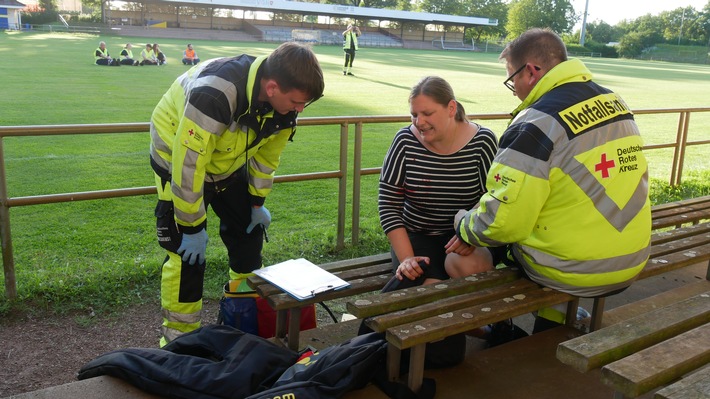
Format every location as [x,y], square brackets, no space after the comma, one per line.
[604,166]
[191,132]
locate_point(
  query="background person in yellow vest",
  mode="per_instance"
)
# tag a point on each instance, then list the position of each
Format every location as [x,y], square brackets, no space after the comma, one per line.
[216,140]
[127,55]
[102,56]
[567,193]
[189,57]
[350,36]
[148,56]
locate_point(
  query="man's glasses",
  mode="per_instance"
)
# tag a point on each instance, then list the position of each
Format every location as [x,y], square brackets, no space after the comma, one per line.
[509,82]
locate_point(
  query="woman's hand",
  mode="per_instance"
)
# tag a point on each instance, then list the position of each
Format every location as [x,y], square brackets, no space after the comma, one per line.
[410,267]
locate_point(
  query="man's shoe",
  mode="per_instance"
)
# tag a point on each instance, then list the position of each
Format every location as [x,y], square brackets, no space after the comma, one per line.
[350,74]
[344,73]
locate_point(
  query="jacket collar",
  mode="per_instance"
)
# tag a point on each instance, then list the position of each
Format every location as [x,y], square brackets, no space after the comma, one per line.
[572,70]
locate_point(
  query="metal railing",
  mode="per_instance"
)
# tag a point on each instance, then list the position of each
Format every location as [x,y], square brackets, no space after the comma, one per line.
[7,202]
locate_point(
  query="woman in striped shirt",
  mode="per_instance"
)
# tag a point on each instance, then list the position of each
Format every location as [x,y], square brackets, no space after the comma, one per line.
[434,167]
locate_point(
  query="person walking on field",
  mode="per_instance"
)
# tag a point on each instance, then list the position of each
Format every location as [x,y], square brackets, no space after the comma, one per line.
[567,193]
[216,140]
[350,46]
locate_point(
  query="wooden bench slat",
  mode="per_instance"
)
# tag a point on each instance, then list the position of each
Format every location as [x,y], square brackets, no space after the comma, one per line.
[360,286]
[660,364]
[665,298]
[658,209]
[679,233]
[382,322]
[675,261]
[357,262]
[367,271]
[459,321]
[677,213]
[681,243]
[680,210]
[378,303]
[688,217]
[694,386]
[612,343]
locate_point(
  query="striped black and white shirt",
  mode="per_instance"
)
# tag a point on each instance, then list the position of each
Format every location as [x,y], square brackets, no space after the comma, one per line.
[422,191]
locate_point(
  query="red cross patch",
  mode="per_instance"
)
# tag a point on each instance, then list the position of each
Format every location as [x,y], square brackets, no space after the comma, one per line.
[604,166]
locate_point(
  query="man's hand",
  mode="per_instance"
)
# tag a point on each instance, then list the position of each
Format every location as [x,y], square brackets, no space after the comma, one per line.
[193,247]
[259,215]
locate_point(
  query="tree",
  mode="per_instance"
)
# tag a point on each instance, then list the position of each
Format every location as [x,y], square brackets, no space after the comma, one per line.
[48,5]
[449,7]
[495,9]
[557,15]
[602,32]
[633,44]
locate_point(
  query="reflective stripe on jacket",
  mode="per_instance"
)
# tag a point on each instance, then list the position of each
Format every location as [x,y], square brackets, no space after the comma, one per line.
[208,125]
[569,188]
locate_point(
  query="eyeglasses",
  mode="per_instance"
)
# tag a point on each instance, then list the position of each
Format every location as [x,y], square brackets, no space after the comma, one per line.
[509,82]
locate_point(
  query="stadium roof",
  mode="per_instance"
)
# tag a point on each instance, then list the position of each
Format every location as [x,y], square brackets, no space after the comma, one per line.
[340,11]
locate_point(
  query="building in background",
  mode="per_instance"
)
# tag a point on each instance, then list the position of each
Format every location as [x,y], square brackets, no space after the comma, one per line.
[10,14]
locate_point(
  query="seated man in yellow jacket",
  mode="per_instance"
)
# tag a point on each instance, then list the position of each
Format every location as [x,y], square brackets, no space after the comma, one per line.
[567,193]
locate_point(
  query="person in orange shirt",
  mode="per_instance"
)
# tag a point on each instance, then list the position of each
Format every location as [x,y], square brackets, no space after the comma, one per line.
[189,57]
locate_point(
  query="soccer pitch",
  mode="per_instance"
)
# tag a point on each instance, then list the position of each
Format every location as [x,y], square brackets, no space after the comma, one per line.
[51,79]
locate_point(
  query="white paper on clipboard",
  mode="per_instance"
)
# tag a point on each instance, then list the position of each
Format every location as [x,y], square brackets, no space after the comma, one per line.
[301,278]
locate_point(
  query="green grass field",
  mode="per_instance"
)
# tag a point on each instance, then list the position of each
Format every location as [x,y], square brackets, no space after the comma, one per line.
[102,254]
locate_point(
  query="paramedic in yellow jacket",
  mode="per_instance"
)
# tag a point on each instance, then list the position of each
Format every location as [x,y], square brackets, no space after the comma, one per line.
[216,140]
[350,46]
[567,193]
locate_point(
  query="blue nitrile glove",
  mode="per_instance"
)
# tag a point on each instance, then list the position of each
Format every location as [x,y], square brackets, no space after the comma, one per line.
[193,247]
[259,215]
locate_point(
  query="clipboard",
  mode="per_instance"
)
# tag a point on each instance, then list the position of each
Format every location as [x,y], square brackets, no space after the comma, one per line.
[301,279]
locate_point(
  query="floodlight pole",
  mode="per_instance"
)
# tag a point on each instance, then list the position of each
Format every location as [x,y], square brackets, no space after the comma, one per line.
[682,19]
[584,24]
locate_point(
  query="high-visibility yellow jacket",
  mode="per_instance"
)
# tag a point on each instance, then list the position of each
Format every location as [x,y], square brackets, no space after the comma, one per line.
[569,188]
[126,53]
[208,125]
[102,52]
[350,40]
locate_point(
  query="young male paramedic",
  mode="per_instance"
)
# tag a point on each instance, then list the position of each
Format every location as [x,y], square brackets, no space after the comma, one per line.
[567,193]
[216,140]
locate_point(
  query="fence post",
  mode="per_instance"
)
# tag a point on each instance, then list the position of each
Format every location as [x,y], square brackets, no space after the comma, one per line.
[679,152]
[8,259]
[685,115]
[342,186]
[357,178]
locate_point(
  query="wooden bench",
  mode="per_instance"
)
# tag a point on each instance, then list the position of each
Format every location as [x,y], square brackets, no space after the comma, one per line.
[649,350]
[371,273]
[415,316]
